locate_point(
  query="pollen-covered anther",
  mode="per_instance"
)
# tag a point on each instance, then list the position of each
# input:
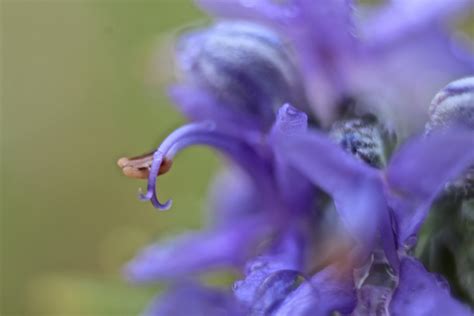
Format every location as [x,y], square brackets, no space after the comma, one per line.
[139,167]
[362,138]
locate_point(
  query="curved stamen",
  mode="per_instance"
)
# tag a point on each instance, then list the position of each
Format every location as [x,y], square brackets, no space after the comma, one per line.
[203,133]
[159,157]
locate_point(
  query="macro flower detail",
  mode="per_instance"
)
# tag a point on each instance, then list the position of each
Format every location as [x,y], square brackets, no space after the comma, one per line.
[454,105]
[451,224]
[227,243]
[345,49]
[396,203]
[271,277]
[317,109]
[231,61]
[422,293]
[362,137]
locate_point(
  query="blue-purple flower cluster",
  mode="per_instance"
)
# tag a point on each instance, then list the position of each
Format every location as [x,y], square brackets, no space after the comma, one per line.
[319,108]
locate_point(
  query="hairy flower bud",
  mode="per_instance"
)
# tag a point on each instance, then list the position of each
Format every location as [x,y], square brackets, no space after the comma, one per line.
[454,105]
[244,65]
[361,137]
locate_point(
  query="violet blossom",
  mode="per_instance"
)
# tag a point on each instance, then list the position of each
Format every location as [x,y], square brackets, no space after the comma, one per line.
[346,49]
[405,192]
[318,221]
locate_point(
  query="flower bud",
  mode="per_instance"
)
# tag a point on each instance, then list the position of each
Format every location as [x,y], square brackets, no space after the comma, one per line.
[454,105]
[244,65]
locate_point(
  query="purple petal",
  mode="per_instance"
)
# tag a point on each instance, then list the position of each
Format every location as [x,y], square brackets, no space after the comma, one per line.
[388,73]
[195,253]
[329,23]
[324,162]
[421,293]
[192,299]
[295,189]
[273,291]
[290,120]
[271,276]
[355,187]
[419,171]
[321,34]
[198,105]
[328,290]
[233,197]
[401,17]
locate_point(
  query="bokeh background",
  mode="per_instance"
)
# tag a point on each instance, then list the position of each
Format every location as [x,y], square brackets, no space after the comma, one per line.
[82,84]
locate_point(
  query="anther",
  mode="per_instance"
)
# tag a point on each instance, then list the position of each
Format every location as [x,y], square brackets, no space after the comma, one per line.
[362,138]
[139,167]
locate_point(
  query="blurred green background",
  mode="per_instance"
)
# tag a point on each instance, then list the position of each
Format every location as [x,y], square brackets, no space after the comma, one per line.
[83,83]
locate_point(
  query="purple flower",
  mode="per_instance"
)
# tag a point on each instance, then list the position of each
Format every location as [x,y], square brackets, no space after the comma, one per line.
[317,220]
[399,53]
[192,253]
[266,206]
[225,67]
[395,201]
